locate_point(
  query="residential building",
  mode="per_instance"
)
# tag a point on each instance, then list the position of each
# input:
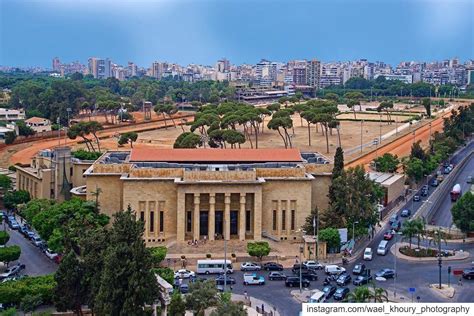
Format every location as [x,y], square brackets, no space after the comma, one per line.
[300,75]
[402,78]
[158,69]
[39,124]
[11,115]
[56,64]
[100,68]
[186,194]
[313,73]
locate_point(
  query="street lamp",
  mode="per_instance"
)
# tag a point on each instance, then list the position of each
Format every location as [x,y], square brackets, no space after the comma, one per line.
[353,230]
[301,263]
[395,264]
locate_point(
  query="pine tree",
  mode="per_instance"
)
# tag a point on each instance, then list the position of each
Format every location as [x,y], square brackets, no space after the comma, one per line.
[127,283]
[334,216]
[69,293]
[308,227]
[338,168]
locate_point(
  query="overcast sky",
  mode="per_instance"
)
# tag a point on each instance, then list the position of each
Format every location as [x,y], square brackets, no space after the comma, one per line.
[32,32]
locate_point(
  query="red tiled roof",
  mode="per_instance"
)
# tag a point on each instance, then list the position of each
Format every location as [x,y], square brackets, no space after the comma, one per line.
[215,155]
[36,119]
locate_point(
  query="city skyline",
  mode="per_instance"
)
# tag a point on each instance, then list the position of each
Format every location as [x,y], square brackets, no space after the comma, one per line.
[186,32]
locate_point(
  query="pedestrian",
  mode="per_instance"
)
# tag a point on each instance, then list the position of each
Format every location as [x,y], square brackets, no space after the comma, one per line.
[460,281]
[263,308]
[245,295]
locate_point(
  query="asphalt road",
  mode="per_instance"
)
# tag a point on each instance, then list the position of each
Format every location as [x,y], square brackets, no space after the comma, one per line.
[443,216]
[31,256]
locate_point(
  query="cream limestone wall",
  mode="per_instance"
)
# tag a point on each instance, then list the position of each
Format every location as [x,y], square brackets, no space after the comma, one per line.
[110,197]
[78,179]
[320,191]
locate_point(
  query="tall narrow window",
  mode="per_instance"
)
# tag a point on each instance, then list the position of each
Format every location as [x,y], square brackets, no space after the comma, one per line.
[283,219]
[293,219]
[188,221]
[162,219]
[142,216]
[247,220]
[152,221]
[274,220]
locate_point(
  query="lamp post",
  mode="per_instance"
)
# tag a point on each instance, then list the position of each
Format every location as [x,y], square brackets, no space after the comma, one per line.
[353,230]
[316,234]
[395,264]
[301,263]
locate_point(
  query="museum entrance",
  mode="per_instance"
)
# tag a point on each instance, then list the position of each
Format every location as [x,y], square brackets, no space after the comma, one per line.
[219,223]
[203,223]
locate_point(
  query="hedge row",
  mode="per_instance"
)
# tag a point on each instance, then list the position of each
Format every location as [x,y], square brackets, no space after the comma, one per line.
[13,292]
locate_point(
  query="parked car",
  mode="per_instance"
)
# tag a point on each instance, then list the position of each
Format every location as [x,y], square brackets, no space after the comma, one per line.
[368,254]
[334,269]
[36,240]
[272,266]
[308,274]
[469,179]
[31,234]
[14,278]
[424,192]
[434,183]
[250,266]
[220,280]
[358,269]
[385,273]
[468,274]
[343,279]
[184,274]
[388,235]
[253,279]
[50,254]
[11,271]
[396,226]
[362,279]
[14,225]
[329,291]
[405,213]
[296,268]
[295,282]
[393,218]
[273,276]
[341,293]
[184,288]
[311,264]
[416,198]
[25,230]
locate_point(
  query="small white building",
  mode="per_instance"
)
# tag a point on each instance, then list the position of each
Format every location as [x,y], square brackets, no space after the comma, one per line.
[11,115]
[39,124]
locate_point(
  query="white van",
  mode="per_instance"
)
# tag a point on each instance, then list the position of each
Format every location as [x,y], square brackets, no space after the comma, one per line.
[317,297]
[334,269]
[368,254]
[382,248]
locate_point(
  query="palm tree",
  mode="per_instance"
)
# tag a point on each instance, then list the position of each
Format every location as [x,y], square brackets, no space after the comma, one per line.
[379,294]
[359,295]
[438,237]
[409,230]
[420,230]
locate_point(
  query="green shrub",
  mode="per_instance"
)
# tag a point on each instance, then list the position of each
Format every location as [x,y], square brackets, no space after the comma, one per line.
[13,292]
[165,273]
[158,254]
[86,155]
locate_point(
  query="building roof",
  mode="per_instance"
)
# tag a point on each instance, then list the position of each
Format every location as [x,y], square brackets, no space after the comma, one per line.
[215,155]
[36,119]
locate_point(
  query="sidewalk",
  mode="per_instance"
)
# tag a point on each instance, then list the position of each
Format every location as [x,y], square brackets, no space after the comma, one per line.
[255,306]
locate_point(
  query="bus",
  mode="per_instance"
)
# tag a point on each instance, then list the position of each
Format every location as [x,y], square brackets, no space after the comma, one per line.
[213,266]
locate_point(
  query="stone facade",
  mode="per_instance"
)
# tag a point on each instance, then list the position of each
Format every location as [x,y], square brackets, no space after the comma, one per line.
[196,200]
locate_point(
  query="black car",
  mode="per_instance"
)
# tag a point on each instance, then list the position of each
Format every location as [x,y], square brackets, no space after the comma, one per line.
[362,279]
[358,269]
[405,213]
[308,274]
[24,230]
[295,282]
[424,192]
[272,266]
[272,276]
[343,279]
[416,198]
[184,288]
[220,280]
[468,274]
[434,183]
[329,291]
[296,268]
[385,273]
[341,293]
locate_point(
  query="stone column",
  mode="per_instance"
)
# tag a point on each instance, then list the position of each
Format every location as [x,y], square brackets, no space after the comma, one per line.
[197,202]
[242,217]
[278,219]
[288,218]
[212,215]
[257,216]
[227,216]
[180,216]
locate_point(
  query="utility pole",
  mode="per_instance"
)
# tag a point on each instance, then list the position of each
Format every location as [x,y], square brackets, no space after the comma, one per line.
[301,263]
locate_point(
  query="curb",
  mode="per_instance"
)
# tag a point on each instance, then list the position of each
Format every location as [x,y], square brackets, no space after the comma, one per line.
[459,256]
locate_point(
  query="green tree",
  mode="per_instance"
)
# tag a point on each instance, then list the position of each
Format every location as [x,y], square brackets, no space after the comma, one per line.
[177,305]
[187,140]
[387,163]
[338,168]
[158,254]
[258,249]
[427,105]
[360,294]
[331,237]
[5,182]
[70,293]
[12,199]
[30,303]
[10,137]
[414,169]
[308,226]
[4,237]
[378,294]
[281,123]
[409,230]
[417,151]
[9,254]
[128,137]
[127,283]
[23,129]
[225,307]
[202,296]
[332,97]
[463,213]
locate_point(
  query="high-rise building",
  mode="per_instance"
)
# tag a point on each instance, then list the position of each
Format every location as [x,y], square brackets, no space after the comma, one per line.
[223,65]
[100,68]
[158,69]
[132,69]
[300,77]
[313,73]
[56,64]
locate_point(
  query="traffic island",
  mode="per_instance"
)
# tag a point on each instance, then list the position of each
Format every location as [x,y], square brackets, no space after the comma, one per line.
[395,250]
[445,290]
